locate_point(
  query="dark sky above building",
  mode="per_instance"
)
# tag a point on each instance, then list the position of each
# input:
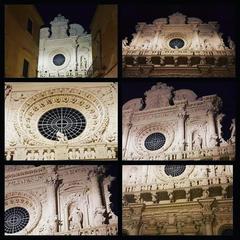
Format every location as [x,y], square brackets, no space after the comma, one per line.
[222,12]
[75,13]
[224,88]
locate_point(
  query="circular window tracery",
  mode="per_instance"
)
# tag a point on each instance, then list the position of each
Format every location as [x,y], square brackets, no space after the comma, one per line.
[176,43]
[61,122]
[59,59]
[16,219]
[154,141]
[174,170]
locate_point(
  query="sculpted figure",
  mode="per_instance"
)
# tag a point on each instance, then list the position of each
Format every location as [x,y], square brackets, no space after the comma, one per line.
[233,131]
[76,218]
[124,42]
[61,137]
[231,43]
[8,89]
[99,218]
[197,142]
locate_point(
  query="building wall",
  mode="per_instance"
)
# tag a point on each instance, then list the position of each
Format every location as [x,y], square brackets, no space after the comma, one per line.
[19,43]
[190,126]
[26,103]
[177,199]
[104,42]
[61,200]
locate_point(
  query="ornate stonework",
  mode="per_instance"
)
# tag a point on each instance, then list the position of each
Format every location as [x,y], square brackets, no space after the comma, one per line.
[177,199]
[178,46]
[64,50]
[65,200]
[25,106]
[175,125]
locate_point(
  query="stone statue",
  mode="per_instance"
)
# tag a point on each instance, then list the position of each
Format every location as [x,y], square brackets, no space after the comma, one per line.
[205,193]
[233,131]
[219,124]
[61,137]
[197,142]
[99,218]
[231,44]
[8,89]
[212,140]
[76,218]
[124,42]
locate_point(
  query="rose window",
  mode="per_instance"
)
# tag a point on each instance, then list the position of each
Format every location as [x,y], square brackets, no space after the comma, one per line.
[59,59]
[16,219]
[67,123]
[176,43]
[155,141]
[174,170]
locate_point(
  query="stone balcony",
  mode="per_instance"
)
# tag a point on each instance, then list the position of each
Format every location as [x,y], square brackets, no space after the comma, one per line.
[216,153]
[163,63]
[179,191]
[63,152]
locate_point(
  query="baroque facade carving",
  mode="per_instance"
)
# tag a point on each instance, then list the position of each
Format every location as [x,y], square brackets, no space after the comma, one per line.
[61,202]
[61,121]
[177,199]
[65,50]
[178,46]
[173,124]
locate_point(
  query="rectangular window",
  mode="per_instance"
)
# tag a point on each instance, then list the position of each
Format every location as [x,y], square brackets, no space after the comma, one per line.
[25,68]
[29,25]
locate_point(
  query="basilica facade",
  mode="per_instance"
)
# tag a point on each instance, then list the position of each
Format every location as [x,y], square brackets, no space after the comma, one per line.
[65,50]
[177,200]
[59,200]
[171,124]
[178,46]
[61,121]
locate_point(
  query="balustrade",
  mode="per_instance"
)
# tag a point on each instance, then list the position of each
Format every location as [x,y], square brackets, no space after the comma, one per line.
[98,151]
[100,230]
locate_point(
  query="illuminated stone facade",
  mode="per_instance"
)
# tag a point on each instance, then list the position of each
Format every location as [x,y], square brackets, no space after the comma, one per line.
[60,121]
[178,46]
[64,50]
[58,200]
[177,200]
[175,124]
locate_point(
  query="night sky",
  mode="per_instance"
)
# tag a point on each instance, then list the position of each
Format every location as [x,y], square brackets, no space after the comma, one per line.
[224,88]
[75,13]
[223,13]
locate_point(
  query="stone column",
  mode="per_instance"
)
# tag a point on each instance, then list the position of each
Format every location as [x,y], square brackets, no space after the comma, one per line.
[212,136]
[208,214]
[208,224]
[51,185]
[95,176]
[95,190]
[126,130]
[196,39]
[181,130]
[155,41]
